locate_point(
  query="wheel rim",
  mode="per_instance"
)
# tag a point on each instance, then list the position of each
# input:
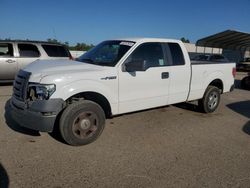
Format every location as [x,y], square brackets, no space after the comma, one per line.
[85,125]
[213,100]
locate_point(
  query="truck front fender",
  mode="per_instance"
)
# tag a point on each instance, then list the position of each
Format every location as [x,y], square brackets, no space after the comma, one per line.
[109,91]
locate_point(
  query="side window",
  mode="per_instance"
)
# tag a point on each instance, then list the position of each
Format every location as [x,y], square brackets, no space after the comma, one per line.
[28,50]
[6,50]
[176,53]
[55,51]
[151,53]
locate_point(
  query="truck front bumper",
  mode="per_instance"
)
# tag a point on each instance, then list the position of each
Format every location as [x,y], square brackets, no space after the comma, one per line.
[37,115]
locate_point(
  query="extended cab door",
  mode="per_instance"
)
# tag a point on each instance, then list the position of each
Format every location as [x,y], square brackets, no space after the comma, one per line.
[180,73]
[8,64]
[144,89]
[28,53]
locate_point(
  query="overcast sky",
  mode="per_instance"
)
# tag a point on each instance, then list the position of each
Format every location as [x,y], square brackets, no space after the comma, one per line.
[92,21]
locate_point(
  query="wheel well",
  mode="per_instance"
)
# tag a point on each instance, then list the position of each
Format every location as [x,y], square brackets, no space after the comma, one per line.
[95,97]
[217,83]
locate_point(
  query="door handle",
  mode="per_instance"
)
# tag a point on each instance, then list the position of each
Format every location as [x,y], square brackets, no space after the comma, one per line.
[10,61]
[164,75]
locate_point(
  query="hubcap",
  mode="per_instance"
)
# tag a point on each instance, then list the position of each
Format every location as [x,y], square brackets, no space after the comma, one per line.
[213,100]
[85,125]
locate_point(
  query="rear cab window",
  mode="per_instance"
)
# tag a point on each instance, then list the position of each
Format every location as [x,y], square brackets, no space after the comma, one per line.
[55,50]
[28,50]
[6,50]
[176,54]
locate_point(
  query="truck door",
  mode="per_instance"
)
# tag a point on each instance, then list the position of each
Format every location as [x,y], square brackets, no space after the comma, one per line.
[144,89]
[8,64]
[28,53]
[180,73]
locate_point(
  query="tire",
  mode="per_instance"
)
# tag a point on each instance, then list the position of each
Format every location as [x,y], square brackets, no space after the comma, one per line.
[82,123]
[245,83]
[210,100]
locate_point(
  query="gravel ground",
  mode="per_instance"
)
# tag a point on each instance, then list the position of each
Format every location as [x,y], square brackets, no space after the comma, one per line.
[174,146]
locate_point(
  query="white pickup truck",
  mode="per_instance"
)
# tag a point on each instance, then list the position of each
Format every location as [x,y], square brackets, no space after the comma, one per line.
[115,77]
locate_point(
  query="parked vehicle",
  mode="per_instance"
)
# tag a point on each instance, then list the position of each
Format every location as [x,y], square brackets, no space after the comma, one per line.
[244,65]
[211,57]
[15,55]
[115,77]
[245,82]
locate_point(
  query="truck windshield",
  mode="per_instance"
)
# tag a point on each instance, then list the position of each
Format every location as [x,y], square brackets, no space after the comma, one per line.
[107,53]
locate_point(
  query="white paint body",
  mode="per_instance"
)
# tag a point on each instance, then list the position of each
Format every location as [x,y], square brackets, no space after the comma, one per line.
[132,92]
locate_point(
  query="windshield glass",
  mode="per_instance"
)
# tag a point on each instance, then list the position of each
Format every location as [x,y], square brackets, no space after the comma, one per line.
[107,53]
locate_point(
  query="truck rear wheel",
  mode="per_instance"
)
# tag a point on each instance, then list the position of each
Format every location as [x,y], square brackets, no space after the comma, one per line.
[210,100]
[82,123]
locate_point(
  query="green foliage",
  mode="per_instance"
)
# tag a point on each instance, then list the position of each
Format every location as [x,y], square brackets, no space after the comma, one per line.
[81,47]
[77,47]
[53,40]
[184,40]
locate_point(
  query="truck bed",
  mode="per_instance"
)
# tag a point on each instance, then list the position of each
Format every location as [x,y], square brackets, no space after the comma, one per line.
[204,71]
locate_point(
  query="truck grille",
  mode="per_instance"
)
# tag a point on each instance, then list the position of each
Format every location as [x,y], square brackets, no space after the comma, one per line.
[20,85]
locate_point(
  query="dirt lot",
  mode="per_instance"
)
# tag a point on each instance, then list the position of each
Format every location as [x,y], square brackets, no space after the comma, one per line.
[174,146]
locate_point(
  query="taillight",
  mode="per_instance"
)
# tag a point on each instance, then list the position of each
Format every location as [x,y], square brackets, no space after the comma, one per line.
[234,72]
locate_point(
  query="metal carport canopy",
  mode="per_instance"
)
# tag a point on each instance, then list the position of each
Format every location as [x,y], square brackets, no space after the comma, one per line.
[229,39]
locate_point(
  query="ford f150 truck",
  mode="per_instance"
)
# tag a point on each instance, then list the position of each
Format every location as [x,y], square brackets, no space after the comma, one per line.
[115,77]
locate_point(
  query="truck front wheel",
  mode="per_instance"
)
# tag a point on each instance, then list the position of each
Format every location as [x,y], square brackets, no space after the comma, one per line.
[82,123]
[210,100]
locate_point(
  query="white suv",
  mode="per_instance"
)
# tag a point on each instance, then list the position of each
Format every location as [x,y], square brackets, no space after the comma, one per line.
[15,55]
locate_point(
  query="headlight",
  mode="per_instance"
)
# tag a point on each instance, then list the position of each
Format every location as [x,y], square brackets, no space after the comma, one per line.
[40,91]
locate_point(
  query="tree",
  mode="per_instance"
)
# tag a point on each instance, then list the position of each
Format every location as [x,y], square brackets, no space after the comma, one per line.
[66,43]
[77,47]
[53,40]
[185,40]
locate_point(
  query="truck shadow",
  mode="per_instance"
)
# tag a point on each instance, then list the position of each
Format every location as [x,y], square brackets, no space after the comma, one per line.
[4,178]
[188,106]
[242,107]
[14,125]
[55,134]
[246,128]
[6,84]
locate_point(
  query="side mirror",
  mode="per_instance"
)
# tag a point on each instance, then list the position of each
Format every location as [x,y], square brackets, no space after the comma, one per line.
[137,65]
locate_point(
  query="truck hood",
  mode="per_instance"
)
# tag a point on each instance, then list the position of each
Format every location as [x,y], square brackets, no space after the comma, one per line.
[58,68]
[48,67]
